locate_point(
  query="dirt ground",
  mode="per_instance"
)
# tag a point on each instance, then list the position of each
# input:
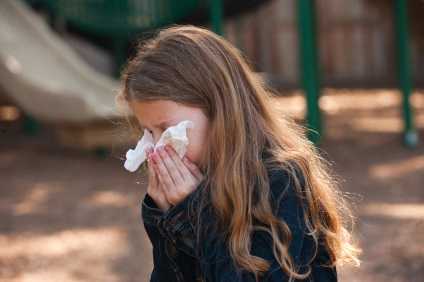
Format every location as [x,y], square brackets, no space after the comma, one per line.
[67,215]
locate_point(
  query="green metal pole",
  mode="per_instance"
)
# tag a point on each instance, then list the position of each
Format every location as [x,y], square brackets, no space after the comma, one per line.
[120,56]
[216,16]
[31,127]
[309,66]
[404,70]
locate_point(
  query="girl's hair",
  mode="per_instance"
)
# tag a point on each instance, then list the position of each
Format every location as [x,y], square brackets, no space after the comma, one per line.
[196,67]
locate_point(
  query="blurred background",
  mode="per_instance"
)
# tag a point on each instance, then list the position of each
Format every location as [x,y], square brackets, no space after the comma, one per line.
[351,71]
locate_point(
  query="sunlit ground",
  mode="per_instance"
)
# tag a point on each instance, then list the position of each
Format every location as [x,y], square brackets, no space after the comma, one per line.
[68,216]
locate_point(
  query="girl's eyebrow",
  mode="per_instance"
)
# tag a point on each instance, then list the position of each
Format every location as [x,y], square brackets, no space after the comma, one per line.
[161,124]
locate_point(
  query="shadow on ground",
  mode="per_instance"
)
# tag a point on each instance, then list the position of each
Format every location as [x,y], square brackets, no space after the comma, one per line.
[70,216]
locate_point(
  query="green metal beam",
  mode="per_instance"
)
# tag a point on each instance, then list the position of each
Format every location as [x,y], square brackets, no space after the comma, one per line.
[309,66]
[216,16]
[404,70]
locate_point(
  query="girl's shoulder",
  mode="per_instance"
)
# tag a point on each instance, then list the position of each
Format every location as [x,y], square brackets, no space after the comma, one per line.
[282,183]
[279,174]
[289,205]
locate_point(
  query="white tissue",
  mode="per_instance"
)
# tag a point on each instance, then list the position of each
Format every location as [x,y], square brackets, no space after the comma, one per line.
[176,136]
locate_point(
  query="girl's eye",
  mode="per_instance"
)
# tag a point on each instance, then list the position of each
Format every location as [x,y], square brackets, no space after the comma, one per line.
[148,130]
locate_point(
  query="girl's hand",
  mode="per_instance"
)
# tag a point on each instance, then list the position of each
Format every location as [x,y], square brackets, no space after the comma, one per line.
[178,177]
[154,188]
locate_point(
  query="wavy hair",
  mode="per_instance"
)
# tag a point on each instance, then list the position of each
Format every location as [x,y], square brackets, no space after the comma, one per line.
[194,66]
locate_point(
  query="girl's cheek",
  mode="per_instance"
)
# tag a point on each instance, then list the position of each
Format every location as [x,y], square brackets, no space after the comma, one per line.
[194,155]
[189,152]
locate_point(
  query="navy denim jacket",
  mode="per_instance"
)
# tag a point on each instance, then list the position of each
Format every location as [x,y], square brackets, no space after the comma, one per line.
[178,256]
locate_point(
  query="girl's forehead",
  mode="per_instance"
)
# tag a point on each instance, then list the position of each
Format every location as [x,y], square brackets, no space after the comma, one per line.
[158,109]
[156,104]
[152,112]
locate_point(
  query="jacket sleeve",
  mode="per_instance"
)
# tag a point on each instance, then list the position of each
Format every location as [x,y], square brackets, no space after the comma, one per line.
[167,266]
[213,253]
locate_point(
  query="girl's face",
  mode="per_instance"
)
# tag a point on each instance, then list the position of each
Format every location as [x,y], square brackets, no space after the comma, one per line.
[156,116]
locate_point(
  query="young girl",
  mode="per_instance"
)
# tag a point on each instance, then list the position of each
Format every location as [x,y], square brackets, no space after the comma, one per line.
[252,200]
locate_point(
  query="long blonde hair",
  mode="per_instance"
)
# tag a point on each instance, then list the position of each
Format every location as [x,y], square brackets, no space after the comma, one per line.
[194,66]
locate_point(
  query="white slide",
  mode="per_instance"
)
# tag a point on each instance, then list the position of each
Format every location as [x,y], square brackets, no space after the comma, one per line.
[46,77]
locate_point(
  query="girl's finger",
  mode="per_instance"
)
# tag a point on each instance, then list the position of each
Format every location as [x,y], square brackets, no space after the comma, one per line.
[185,172]
[151,171]
[173,170]
[193,168]
[152,179]
[162,172]
[149,150]
[153,175]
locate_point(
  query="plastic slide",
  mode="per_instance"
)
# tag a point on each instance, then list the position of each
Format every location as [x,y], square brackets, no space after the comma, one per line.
[46,77]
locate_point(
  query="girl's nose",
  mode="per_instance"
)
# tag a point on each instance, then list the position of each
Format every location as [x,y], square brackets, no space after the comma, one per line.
[156,137]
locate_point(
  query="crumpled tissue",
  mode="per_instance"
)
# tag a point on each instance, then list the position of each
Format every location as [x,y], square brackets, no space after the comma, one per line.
[176,136]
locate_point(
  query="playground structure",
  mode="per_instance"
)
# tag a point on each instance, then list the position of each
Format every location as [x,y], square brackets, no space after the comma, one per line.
[45,76]
[310,69]
[52,84]
[121,22]
[55,85]
[48,80]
